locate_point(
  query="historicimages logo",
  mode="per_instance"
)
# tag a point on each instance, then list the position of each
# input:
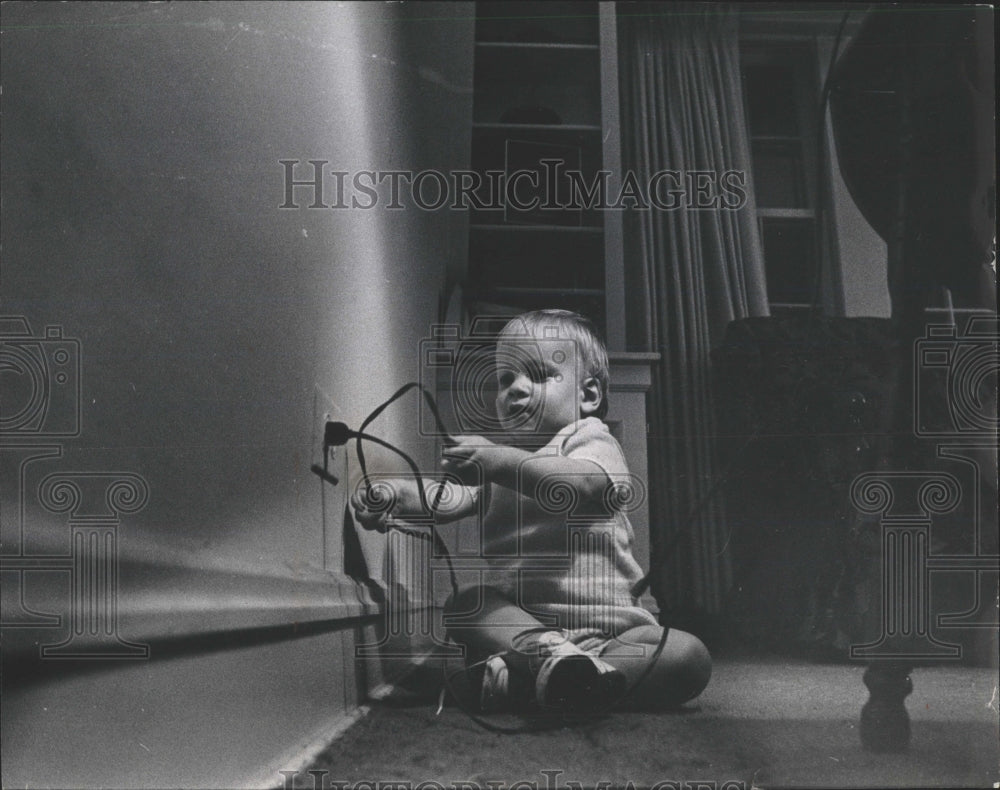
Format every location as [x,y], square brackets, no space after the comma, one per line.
[318,779]
[521,190]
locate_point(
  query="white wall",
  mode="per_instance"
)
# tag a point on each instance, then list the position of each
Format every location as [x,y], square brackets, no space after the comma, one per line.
[141,193]
[141,185]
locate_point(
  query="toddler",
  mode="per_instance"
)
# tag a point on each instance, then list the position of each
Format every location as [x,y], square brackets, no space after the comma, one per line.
[553,622]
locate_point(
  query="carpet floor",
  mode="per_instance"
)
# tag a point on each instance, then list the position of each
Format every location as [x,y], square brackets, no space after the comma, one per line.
[760,723]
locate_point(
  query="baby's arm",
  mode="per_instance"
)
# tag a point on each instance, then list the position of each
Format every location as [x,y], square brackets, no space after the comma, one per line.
[455,502]
[512,467]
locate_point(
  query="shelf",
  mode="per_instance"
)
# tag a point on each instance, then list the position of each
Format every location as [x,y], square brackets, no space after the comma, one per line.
[572,222]
[547,127]
[504,150]
[492,301]
[558,78]
[529,65]
[546,45]
[488,135]
[529,291]
[537,98]
[579,150]
[544,256]
[486,226]
[548,22]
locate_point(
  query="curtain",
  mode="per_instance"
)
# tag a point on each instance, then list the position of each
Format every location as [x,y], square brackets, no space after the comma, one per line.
[690,271]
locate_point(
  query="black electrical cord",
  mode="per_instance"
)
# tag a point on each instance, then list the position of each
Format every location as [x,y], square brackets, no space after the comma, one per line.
[441,429]
[435,537]
[429,509]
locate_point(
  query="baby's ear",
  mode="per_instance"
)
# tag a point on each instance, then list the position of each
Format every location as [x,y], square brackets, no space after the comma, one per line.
[591,396]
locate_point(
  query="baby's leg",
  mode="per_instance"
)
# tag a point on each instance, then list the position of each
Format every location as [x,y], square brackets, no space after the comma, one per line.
[522,658]
[681,673]
[488,629]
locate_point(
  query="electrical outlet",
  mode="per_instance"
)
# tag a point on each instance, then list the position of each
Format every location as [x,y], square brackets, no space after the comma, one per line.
[331,476]
[324,410]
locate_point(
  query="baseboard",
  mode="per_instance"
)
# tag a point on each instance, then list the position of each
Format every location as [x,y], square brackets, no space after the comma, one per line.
[163,602]
[393,686]
[299,758]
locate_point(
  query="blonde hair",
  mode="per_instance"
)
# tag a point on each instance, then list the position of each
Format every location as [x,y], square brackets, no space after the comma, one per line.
[570,326]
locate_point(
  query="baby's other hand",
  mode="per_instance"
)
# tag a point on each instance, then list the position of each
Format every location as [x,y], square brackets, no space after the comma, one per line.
[472,459]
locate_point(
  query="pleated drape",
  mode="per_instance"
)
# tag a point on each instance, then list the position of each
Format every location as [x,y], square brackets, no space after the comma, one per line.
[690,271]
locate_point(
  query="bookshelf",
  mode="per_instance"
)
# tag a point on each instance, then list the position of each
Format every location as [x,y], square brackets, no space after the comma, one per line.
[546,105]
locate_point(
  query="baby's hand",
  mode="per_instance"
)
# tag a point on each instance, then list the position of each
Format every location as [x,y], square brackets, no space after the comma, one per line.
[473,459]
[367,516]
[375,508]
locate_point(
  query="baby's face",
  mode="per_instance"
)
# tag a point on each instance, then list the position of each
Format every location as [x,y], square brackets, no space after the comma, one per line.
[539,385]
